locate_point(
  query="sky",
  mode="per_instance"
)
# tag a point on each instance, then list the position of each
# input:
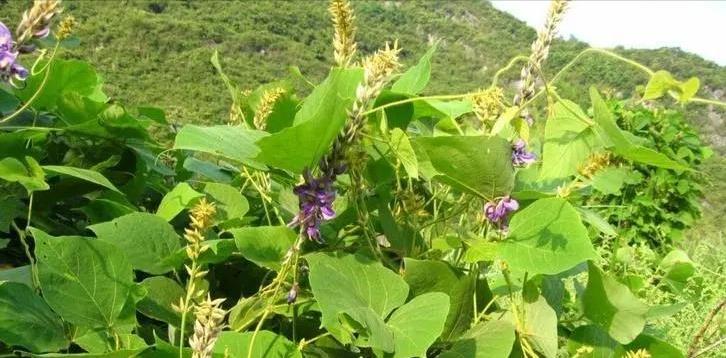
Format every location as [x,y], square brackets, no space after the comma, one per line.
[694,26]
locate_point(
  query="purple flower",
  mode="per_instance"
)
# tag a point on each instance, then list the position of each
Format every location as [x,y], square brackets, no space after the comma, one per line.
[316,197]
[520,156]
[9,67]
[498,212]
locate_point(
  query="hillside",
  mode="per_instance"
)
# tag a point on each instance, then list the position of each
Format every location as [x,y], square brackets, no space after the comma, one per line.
[157,52]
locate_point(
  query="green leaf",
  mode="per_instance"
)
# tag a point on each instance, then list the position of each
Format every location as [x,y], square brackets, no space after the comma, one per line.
[230,142]
[162,292]
[476,164]
[540,327]
[678,268]
[83,174]
[153,113]
[425,276]
[20,274]
[438,109]
[320,119]
[547,237]
[418,323]
[609,180]
[65,76]
[612,306]
[654,346]
[659,84]
[342,283]
[597,221]
[592,336]
[27,321]
[264,245]
[86,281]
[368,328]
[620,143]
[401,146]
[267,345]
[688,89]
[32,178]
[175,201]
[490,339]
[231,204]
[568,141]
[415,79]
[146,238]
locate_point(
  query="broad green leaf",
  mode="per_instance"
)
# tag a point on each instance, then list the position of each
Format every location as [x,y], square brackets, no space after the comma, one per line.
[418,323]
[65,76]
[208,170]
[547,237]
[230,142]
[424,276]
[175,201]
[659,84]
[597,221]
[267,345]
[20,274]
[87,281]
[31,177]
[368,328]
[438,109]
[654,346]
[27,321]
[401,146]
[592,336]
[479,165]
[264,245]
[491,339]
[609,180]
[347,282]
[415,79]
[162,292]
[219,251]
[568,141]
[480,250]
[8,102]
[612,306]
[153,113]
[320,119]
[678,268]
[540,327]
[83,174]
[688,89]
[146,239]
[651,157]
[231,204]
[101,341]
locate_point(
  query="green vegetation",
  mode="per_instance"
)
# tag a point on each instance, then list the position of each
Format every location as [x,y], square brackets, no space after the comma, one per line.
[351,207]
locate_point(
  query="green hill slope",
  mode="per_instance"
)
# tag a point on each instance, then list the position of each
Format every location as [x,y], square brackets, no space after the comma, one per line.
[157,52]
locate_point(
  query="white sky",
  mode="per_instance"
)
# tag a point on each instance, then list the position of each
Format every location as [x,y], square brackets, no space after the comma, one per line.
[694,26]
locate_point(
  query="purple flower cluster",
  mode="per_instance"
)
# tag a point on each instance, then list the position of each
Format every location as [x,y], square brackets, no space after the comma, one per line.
[316,196]
[498,212]
[520,156]
[292,294]
[9,67]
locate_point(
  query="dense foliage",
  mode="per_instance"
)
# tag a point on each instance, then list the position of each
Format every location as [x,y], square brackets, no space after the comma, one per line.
[348,217]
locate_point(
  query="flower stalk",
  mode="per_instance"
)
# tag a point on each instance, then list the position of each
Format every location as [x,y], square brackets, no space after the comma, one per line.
[344,45]
[540,51]
[202,216]
[207,327]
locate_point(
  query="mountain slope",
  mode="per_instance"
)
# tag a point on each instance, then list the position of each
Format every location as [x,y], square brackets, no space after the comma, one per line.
[157,52]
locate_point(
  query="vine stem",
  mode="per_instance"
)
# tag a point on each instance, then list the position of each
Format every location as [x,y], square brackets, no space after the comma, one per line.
[292,259]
